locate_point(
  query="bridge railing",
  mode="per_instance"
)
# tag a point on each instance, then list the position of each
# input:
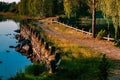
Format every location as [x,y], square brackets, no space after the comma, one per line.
[89,33]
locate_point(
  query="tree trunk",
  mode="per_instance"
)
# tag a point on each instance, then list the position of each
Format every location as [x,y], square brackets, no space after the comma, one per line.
[93,18]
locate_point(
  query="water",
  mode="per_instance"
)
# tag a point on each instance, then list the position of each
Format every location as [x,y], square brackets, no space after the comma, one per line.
[12,61]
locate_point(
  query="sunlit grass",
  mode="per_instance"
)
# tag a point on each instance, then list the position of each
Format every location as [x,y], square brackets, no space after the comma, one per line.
[72,49]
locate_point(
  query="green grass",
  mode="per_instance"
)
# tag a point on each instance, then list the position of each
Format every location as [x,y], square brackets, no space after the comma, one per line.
[73,69]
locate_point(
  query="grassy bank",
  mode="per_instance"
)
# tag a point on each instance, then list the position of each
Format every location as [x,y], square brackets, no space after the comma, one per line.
[72,69]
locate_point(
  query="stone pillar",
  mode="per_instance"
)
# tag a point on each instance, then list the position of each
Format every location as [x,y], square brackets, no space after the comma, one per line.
[52,51]
[39,37]
[42,41]
[47,46]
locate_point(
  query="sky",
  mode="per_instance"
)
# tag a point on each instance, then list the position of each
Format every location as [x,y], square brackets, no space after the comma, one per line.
[9,1]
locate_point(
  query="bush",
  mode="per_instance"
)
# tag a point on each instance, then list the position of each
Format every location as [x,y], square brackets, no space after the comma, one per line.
[101,34]
[35,69]
[104,68]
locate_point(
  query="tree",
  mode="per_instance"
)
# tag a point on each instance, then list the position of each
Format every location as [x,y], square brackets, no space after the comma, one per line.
[58,7]
[111,9]
[93,18]
[71,8]
[75,8]
[39,6]
[115,8]
[23,7]
[8,7]
[93,10]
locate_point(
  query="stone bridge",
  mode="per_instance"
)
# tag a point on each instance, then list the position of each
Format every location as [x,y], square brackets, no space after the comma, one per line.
[38,50]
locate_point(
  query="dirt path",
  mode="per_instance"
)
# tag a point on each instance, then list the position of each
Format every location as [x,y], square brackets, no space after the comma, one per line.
[103,46]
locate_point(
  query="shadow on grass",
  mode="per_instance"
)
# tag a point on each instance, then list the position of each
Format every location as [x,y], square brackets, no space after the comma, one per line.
[74,69]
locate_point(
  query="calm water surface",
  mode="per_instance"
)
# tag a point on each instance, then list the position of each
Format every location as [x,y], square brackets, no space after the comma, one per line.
[12,61]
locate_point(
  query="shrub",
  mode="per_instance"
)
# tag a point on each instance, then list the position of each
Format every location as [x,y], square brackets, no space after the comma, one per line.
[35,69]
[101,34]
[104,68]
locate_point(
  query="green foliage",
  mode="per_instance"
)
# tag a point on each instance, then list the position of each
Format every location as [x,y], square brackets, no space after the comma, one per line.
[23,7]
[75,8]
[101,34]
[104,68]
[78,69]
[19,76]
[111,9]
[40,8]
[35,69]
[8,7]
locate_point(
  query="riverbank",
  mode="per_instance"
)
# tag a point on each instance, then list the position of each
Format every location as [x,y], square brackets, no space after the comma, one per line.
[13,16]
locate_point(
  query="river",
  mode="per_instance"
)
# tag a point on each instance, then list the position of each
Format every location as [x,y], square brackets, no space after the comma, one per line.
[11,61]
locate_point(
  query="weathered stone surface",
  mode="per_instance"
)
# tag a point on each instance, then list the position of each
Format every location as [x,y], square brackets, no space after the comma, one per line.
[19,38]
[36,48]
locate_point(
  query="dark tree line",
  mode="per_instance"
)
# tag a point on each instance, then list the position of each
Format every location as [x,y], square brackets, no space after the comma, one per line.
[46,8]
[8,7]
[42,8]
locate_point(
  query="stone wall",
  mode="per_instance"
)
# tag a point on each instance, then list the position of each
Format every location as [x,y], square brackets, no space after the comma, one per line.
[42,51]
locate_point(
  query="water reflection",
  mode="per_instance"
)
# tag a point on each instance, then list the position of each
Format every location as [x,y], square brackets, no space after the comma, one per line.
[10,60]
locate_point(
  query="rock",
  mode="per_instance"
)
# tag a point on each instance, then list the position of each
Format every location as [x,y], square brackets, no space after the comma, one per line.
[17,49]
[26,47]
[23,51]
[19,38]
[11,46]
[17,31]
[7,51]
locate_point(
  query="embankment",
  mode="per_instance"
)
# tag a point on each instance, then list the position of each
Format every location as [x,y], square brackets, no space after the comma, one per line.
[34,46]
